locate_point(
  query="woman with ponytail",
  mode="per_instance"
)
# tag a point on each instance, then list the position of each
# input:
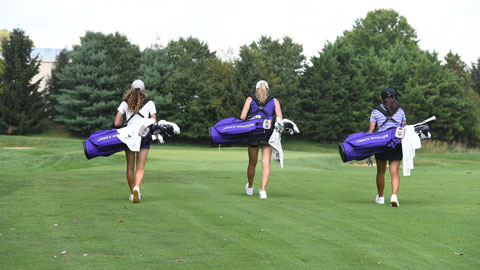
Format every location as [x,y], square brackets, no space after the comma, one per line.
[134,107]
[388,115]
[262,104]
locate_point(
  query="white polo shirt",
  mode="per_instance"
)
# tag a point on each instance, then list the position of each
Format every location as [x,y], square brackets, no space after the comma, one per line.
[147,109]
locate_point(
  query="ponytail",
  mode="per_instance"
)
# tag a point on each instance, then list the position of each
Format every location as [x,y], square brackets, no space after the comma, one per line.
[262,93]
[135,99]
[390,105]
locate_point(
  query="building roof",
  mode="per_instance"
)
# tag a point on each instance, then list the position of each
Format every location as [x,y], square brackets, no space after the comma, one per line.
[46,54]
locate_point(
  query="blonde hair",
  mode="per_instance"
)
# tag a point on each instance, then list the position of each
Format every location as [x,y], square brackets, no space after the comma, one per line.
[262,93]
[135,99]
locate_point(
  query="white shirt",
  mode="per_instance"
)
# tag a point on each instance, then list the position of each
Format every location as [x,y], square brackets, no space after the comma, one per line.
[147,109]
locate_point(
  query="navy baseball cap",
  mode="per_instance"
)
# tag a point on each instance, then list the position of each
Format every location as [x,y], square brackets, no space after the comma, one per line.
[388,92]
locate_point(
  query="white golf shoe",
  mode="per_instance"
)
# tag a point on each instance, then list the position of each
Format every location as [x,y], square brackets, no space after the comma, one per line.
[380,200]
[137,197]
[131,197]
[248,190]
[394,201]
[263,194]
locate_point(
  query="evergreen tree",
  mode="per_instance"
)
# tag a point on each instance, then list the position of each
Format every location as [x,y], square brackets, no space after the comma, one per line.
[335,101]
[154,71]
[454,63]
[469,97]
[54,84]
[124,58]
[4,34]
[344,81]
[475,71]
[435,90]
[89,100]
[2,70]
[280,63]
[190,84]
[21,105]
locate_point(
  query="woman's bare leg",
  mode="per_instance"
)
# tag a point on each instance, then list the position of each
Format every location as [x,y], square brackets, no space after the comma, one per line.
[394,166]
[130,168]
[381,169]
[266,156]
[252,164]
[141,160]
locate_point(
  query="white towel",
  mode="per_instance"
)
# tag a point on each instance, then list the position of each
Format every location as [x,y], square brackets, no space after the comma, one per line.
[276,139]
[129,135]
[410,143]
[276,142]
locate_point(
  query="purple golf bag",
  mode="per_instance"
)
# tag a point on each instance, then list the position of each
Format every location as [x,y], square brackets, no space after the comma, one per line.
[362,145]
[103,143]
[233,131]
[106,142]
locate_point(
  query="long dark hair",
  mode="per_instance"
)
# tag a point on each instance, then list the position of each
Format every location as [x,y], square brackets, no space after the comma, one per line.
[390,105]
[135,99]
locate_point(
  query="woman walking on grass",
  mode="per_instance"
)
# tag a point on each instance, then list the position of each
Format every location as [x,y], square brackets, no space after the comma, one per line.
[134,107]
[388,115]
[263,104]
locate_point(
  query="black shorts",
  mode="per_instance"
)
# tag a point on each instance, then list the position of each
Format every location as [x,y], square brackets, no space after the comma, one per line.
[257,143]
[392,154]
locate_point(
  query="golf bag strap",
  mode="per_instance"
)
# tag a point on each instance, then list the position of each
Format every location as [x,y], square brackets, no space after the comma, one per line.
[382,109]
[145,101]
[260,105]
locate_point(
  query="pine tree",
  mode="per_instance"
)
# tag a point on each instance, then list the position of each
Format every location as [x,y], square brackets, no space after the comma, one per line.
[154,71]
[2,70]
[54,84]
[21,105]
[475,71]
[190,83]
[88,101]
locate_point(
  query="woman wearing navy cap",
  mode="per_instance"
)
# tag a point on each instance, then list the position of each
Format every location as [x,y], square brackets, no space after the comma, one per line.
[388,115]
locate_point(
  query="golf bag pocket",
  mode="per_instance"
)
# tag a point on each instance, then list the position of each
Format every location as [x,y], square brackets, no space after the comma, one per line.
[105,139]
[103,143]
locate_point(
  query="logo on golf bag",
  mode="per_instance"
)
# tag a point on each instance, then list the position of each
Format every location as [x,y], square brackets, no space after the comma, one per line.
[399,132]
[267,124]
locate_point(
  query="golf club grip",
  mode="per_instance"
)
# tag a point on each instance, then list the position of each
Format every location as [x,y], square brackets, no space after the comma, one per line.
[426,121]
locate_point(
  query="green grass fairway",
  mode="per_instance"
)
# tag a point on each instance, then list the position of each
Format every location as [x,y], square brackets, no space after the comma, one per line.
[194,214]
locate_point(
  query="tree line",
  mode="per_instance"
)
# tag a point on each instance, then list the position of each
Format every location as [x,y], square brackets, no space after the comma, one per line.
[329,96]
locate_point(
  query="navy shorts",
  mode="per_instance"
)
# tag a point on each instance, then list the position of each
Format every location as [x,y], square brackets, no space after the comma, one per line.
[146,142]
[391,154]
[257,143]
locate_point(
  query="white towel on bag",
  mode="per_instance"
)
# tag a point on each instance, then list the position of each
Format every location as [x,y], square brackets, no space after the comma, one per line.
[129,135]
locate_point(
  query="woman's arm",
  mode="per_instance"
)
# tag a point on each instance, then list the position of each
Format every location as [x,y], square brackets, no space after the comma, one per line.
[245,109]
[278,109]
[372,127]
[118,119]
[154,116]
